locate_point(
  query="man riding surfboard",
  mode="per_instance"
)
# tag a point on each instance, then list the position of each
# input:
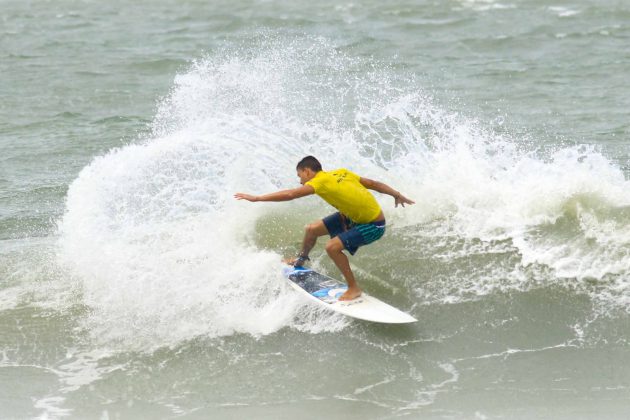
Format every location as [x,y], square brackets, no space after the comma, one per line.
[358,222]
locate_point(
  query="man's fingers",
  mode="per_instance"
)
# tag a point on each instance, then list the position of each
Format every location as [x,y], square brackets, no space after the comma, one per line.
[402,201]
[241,196]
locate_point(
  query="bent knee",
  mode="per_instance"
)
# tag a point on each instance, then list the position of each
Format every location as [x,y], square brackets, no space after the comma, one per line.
[334,245]
[315,229]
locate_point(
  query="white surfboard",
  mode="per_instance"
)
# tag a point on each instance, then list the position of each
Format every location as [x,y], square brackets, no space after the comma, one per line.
[326,291]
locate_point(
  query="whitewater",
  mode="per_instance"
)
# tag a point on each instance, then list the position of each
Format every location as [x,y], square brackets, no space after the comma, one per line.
[133,284]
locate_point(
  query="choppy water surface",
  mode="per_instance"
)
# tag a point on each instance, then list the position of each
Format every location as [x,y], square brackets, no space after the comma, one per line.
[132,285]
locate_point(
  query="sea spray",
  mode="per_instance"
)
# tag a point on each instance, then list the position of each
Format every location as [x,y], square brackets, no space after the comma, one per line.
[165,254]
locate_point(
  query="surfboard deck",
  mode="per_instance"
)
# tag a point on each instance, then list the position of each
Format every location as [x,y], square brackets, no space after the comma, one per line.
[326,291]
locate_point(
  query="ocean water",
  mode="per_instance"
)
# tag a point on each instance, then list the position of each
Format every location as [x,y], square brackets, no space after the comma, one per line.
[133,285]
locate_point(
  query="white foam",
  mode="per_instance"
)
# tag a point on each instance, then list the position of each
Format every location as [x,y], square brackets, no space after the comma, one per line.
[163,250]
[165,254]
[10,297]
[566,209]
[51,408]
[484,5]
[563,11]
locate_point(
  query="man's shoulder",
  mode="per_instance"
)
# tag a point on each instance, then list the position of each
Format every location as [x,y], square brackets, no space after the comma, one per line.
[344,173]
[341,171]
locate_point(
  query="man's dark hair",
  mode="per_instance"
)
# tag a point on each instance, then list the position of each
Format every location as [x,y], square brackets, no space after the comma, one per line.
[311,163]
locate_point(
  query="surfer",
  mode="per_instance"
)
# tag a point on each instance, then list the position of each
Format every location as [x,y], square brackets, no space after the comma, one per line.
[359,221]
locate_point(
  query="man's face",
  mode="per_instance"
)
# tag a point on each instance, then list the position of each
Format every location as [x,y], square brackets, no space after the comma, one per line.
[305,175]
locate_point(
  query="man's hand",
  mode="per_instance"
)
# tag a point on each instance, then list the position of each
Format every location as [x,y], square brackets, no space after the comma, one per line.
[402,200]
[248,197]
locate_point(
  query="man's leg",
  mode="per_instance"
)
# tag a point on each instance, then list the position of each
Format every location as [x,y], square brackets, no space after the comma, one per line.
[334,248]
[311,233]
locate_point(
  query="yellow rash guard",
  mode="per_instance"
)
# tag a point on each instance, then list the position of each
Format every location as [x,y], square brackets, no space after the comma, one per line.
[341,189]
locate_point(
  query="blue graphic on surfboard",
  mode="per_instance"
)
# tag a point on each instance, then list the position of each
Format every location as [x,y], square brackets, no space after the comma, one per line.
[326,291]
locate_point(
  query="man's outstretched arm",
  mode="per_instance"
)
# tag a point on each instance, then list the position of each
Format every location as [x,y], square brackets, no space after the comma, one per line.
[285,195]
[386,189]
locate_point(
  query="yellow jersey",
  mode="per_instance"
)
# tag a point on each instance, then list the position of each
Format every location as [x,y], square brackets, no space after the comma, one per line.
[343,190]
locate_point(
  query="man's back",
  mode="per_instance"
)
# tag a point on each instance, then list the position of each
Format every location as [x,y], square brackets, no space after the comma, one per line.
[343,190]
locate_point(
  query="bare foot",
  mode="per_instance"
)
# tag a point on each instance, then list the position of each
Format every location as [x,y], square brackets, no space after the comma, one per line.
[351,293]
[292,261]
[289,261]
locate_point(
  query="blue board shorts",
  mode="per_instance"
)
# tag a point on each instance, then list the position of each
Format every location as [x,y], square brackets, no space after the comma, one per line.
[353,235]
